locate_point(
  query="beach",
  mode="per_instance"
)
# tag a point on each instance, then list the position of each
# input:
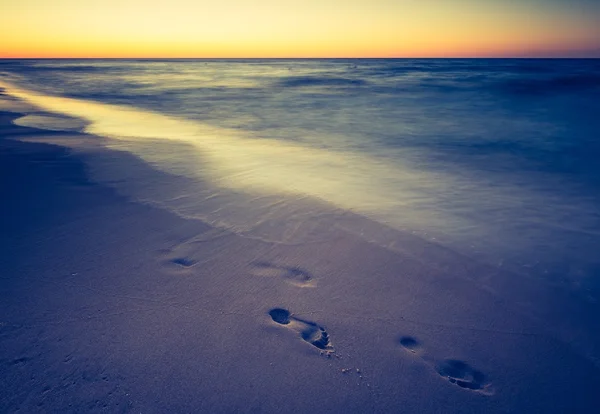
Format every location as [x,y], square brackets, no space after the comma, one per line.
[112,302]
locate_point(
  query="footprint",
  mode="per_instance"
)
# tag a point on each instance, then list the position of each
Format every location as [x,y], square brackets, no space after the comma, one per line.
[183,262]
[411,344]
[187,257]
[176,262]
[455,371]
[291,274]
[309,331]
[462,374]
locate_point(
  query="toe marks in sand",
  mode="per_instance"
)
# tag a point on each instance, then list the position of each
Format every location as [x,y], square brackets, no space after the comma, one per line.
[453,370]
[310,332]
[291,274]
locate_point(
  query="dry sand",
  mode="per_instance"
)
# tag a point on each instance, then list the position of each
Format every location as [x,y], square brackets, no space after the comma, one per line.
[108,305]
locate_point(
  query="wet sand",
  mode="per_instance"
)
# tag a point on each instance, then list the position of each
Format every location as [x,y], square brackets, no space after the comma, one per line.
[110,305]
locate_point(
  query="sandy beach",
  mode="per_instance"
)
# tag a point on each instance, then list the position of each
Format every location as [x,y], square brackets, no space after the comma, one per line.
[108,304]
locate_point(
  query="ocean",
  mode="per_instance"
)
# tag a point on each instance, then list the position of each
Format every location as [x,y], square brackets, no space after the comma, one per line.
[496,160]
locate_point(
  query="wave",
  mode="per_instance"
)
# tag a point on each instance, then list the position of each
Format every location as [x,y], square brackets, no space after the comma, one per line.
[573,83]
[242,163]
[305,81]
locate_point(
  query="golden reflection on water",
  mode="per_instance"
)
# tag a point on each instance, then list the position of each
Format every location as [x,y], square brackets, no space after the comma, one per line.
[238,160]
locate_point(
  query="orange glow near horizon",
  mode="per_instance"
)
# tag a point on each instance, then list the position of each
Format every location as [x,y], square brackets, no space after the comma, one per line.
[309,28]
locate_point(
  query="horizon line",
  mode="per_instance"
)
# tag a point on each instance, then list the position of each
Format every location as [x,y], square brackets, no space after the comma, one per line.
[297,58]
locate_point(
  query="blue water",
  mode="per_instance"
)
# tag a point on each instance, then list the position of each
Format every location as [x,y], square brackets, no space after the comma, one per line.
[495,159]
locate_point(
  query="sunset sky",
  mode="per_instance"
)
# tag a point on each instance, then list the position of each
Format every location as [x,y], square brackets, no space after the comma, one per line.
[299,28]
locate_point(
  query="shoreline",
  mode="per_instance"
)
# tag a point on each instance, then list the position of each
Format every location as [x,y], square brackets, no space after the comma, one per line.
[112,305]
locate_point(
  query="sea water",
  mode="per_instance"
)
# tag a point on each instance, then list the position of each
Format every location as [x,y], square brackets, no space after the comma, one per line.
[495,159]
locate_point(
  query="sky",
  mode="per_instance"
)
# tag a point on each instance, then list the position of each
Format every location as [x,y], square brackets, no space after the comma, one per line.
[299,28]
